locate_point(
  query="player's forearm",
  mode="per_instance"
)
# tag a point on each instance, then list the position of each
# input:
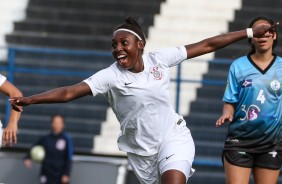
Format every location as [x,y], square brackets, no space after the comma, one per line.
[14,116]
[228,109]
[214,43]
[220,41]
[58,95]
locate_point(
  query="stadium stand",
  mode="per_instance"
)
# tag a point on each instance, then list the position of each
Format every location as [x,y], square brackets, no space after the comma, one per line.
[10,11]
[73,24]
[78,24]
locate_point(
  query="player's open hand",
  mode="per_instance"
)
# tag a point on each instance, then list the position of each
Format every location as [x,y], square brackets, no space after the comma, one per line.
[9,136]
[27,163]
[222,119]
[17,102]
[261,30]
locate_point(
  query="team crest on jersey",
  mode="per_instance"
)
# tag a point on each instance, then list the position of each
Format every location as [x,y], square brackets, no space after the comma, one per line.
[247,83]
[275,84]
[61,144]
[158,75]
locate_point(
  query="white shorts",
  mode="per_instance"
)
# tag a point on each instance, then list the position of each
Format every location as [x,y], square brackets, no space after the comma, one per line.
[176,153]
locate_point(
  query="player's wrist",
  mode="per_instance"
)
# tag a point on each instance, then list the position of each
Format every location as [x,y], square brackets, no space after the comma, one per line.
[250,33]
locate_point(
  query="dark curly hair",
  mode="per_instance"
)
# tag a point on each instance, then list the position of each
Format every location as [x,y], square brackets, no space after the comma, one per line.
[132,25]
[271,22]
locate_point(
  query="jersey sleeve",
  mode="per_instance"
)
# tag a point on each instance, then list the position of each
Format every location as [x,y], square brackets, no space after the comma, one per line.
[101,81]
[68,157]
[2,79]
[172,56]
[231,94]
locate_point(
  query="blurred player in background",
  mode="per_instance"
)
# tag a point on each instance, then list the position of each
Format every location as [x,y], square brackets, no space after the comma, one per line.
[158,143]
[253,105]
[10,132]
[56,166]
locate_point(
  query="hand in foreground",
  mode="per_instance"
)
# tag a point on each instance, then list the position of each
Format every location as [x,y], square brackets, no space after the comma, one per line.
[17,102]
[27,163]
[65,179]
[260,31]
[10,134]
[222,119]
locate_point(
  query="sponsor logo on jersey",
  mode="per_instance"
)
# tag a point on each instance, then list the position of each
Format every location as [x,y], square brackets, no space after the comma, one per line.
[275,84]
[247,83]
[158,75]
[127,83]
[253,112]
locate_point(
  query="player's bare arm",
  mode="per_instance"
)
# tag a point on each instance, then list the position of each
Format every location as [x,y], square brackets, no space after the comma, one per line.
[217,42]
[227,115]
[10,132]
[58,95]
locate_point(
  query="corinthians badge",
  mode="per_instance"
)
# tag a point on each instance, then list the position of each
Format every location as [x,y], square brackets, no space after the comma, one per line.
[275,84]
[156,73]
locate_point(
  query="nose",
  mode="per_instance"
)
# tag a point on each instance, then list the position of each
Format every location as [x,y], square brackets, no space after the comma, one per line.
[119,47]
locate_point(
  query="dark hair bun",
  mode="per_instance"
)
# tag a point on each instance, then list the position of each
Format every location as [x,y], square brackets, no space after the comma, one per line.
[131,24]
[132,21]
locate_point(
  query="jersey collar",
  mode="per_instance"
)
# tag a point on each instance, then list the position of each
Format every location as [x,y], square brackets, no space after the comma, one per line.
[258,68]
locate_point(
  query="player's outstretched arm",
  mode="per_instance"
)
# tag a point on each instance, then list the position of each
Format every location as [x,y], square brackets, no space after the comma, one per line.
[58,95]
[227,115]
[10,132]
[214,43]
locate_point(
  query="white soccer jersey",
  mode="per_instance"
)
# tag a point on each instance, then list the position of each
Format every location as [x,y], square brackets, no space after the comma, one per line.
[141,101]
[2,79]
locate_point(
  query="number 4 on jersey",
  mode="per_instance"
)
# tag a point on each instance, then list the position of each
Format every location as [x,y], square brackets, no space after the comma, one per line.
[261,97]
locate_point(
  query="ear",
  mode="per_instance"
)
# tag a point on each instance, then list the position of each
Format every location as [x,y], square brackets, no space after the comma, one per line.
[140,44]
[274,36]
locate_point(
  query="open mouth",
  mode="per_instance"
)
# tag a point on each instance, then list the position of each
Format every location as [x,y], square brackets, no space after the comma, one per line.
[121,58]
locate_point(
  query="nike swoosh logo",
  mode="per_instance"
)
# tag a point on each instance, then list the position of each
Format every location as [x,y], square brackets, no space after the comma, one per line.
[168,156]
[127,83]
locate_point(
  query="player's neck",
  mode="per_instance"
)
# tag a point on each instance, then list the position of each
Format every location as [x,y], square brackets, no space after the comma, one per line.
[138,67]
[265,57]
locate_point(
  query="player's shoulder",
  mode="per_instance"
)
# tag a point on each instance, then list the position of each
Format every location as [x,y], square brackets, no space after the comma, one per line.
[66,135]
[159,56]
[240,60]
[279,58]
[110,72]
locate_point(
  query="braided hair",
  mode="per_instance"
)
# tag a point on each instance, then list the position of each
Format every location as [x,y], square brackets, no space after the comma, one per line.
[271,22]
[132,25]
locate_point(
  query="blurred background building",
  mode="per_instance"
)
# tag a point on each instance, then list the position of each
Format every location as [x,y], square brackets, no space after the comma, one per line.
[51,43]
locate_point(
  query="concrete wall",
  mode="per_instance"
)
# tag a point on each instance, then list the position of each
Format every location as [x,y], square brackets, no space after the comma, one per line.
[85,170]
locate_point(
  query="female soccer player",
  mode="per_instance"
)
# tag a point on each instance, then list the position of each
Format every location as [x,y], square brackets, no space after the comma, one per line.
[253,106]
[156,139]
[10,132]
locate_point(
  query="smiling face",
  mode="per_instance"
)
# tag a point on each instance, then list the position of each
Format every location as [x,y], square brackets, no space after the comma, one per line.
[127,51]
[264,43]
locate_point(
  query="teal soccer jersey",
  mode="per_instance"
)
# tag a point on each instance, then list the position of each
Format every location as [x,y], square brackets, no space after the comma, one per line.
[256,94]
